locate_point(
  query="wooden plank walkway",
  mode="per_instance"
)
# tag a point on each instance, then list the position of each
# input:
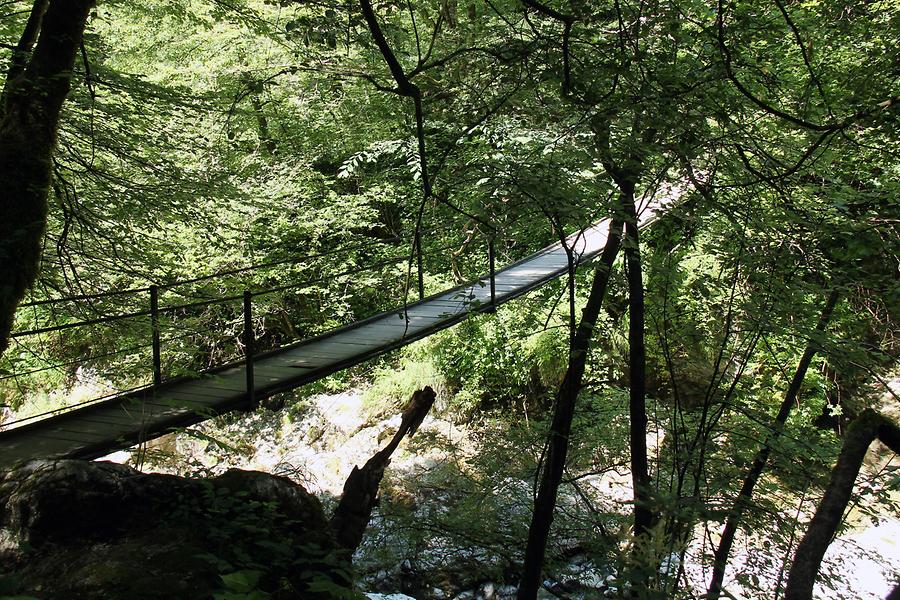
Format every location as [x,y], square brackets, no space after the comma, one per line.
[123,421]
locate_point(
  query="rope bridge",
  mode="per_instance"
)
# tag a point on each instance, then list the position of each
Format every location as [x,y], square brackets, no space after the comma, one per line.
[106,424]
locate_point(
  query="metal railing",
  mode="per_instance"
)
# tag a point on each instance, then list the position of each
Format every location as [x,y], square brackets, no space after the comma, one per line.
[156,310]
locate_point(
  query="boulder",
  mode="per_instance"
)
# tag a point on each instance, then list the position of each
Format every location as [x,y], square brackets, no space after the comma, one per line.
[95,530]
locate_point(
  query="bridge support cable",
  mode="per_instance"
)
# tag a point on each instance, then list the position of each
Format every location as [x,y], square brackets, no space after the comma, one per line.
[249,343]
[493,273]
[419,264]
[154,327]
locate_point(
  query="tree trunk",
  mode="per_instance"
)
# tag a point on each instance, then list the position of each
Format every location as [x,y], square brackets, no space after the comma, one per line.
[742,501]
[262,122]
[561,426]
[22,50]
[637,366]
[32,100]
[351,517]
[895,593]
[823,527]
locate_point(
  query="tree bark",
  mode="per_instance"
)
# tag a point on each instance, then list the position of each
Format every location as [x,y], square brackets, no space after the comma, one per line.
[637,366]
[823,527]
[561,426]
[32,100]
[742,501]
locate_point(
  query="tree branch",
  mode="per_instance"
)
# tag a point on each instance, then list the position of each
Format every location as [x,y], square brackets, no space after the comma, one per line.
[404,86]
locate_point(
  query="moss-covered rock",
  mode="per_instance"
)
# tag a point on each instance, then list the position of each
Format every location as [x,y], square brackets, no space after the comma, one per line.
[89,530]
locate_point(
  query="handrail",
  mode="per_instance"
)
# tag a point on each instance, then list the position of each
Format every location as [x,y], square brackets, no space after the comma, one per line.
[69,363]
[63,409]
[248,334]
[225,273]
[74,362]
[201,303]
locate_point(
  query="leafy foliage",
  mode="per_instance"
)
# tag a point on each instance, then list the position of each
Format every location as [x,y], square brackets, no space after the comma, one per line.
[209,137]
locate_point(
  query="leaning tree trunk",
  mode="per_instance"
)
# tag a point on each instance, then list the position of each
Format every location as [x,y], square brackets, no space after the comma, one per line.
[895,593]
[823,527]
[722,552]
[561,426]
[353,512]
[37,84]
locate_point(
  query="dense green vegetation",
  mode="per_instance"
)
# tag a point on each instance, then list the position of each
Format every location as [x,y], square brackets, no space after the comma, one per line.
[299,149]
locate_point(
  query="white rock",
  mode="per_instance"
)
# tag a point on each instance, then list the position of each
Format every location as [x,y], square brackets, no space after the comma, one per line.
[669,565]
[487,591]
[507,592]
[591,579]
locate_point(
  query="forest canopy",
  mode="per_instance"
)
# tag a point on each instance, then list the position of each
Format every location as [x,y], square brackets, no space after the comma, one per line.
[339,159]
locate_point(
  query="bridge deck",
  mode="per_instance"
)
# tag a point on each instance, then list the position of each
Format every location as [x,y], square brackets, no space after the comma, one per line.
[122,421]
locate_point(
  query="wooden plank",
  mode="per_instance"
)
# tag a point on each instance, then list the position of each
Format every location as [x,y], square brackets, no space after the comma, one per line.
[148,406]
[384,334]
[232,384]
[200,412]
[275,372]
[420,321]
[86,424]
[450,298]
[312,363]
[104,413]
[289,360]
[278,361]
[69,438]
[77,429]
[184,403]
[544,261]
[343,348]
[93,432]
[528,274]
[396,329]
[421,315]
[296,353]
[42,438]
[36,449]
[371,335]
[526,279]
[545,266]
[163,411]
[196,387]
[506,288]
[415,313]
[13,455]
[108,420]
[319,357]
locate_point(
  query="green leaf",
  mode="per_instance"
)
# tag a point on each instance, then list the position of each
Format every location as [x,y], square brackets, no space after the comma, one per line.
[242,581]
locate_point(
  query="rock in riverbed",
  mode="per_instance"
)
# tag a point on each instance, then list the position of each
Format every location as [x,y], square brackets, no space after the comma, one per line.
[95,530]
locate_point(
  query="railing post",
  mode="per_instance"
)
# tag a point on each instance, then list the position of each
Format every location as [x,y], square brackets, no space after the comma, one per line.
[154,328]
[249,342]
[419,263]
[491,259]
